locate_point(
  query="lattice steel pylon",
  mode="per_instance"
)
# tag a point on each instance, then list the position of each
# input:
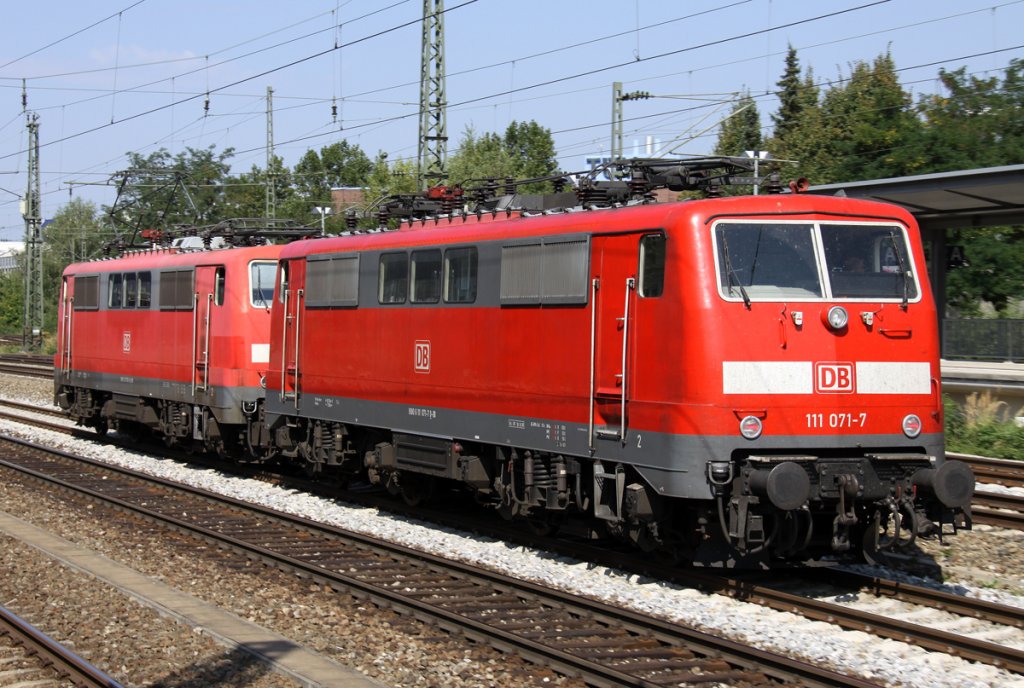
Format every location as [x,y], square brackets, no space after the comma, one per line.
[32,211]
[433,135]
[271,210]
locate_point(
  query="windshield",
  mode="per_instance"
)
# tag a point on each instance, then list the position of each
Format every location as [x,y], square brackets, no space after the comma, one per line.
[773,261]
[261,278]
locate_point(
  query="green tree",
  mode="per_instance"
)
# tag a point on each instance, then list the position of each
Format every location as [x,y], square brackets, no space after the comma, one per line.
[872,125]
[479,157]
[387,179]
[792,98]
[525,151]
[994,273]
[975,122]
[162,190]
[741,130]
[76,233]
[245,195]
[339,164]
[531,149]
[12,300]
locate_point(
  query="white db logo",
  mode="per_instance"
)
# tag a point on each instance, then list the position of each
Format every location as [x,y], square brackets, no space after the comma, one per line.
[422,356]
[833,378]
[126,342]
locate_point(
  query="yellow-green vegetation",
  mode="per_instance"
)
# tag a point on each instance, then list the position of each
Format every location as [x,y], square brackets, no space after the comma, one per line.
[984,425]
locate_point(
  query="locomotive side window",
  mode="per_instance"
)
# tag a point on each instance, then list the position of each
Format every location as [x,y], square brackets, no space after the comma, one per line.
[219,284]
[549,272]
[652,265]
[460,275]
[115,290]
[283,272]
[131,290]
[393,278]
[145,289]
[520,274]
[426,276]
[332,281]
[87,293]
[565,272]
[176,290]
[261,283]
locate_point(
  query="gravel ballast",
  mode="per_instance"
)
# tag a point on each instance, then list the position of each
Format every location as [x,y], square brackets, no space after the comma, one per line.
[986,563]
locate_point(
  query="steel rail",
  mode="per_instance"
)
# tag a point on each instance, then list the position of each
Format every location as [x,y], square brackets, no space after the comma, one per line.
[53,654]
[777,666]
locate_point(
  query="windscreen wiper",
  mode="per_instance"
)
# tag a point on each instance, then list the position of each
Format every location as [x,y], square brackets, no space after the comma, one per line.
[903,269]
[732,276]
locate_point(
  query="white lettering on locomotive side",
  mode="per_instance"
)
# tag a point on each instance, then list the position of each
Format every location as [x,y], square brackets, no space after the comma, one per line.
[126,342]
[826,377]
[898,377]
[421,362]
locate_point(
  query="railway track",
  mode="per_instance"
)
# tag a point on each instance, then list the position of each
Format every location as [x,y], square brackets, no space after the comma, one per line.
[1005,472]
[27,365]
[31,658]
[757,590]
[603,644]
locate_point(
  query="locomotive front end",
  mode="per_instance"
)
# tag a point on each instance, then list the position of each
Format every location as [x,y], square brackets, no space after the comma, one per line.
[828,345]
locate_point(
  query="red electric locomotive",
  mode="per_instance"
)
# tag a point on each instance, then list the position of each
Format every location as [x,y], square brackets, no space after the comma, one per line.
[732,380]
[174,340]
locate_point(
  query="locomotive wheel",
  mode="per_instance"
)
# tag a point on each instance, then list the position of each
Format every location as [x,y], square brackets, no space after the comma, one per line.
[416,489]
[544,525]
[101,426]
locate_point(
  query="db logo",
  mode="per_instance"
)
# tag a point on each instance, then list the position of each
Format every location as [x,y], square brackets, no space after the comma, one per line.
[833,378]
[422,356]
[126,342]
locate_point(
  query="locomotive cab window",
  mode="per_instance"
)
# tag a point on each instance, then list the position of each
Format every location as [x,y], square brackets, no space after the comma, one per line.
[652,265]
[868,261]
[261,283]
[460,275]
[782,261]
[392,278]
[426,276]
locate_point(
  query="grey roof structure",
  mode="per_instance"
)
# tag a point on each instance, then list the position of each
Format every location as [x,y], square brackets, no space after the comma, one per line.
[984,197]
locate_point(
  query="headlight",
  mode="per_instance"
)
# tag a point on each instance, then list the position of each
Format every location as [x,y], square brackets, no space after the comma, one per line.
[750,427]
[837,317]
[911,426]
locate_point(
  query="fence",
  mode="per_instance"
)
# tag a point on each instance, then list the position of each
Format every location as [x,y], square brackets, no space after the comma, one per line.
[983,340]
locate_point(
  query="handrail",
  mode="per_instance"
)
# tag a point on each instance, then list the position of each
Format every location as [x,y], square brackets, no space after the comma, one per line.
[69,309]
[284,344]
[206,343]
[298,309]
[630,285]
[195,333]
[595,285]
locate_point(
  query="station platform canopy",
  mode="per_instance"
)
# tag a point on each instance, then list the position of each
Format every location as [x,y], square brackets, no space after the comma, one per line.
[983,197]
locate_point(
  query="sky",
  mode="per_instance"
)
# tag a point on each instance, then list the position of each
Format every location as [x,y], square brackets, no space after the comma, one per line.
[111,77]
